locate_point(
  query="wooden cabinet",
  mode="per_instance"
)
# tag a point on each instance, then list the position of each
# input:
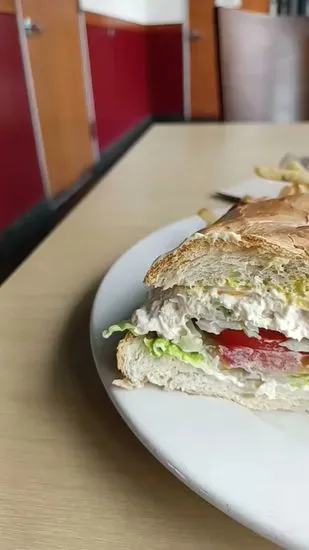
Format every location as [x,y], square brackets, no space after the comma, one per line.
[165,71]
[131,83]
[102,62]
[54,50]
[45,122]
[118,59]
[20,184]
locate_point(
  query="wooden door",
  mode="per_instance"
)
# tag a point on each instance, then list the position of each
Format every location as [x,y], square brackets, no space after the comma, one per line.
[20,183]
[7,6]
[204,85]
[57,71]
[204,77]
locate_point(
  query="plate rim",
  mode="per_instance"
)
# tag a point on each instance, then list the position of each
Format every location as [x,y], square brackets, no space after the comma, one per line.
[229,192]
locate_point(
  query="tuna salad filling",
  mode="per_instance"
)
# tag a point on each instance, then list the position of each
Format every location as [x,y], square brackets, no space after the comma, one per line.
[263,328]
[215,309]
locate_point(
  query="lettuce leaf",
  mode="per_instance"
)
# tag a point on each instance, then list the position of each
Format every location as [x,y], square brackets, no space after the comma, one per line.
[120,327]
[299,380]
[159,347]
[190,338]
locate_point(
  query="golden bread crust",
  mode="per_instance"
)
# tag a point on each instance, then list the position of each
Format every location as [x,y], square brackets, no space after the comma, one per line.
[276,227]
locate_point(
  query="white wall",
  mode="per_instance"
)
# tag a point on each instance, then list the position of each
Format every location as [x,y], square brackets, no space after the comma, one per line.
[166,11]
[139,11]
[129,10]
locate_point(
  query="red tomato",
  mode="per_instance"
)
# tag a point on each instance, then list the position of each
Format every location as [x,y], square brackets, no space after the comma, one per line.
[236,348]
[274,359]
[269,340]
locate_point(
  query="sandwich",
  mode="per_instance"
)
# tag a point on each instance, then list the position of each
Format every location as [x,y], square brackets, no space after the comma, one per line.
[227,312]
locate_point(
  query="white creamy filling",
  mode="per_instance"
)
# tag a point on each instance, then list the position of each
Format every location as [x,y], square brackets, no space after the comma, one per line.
[293,345]
[274,389]
[168,312]
[213,236]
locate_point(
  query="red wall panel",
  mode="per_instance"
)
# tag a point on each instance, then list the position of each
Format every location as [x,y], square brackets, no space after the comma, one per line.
[20,186]
[102,63]
[118,61]
[165,69]
[132,96]
[135,72]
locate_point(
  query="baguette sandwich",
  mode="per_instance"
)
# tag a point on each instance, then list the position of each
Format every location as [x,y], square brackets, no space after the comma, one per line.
[227,313]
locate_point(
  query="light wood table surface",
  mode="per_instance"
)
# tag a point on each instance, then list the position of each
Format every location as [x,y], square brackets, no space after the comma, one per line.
[72,476]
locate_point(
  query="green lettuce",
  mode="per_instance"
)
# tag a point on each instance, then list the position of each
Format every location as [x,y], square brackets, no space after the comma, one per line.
[120,327]
[159,347]
[299,380]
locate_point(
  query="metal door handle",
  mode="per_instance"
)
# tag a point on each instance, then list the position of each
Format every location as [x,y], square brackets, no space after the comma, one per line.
[194,35]
[31,27]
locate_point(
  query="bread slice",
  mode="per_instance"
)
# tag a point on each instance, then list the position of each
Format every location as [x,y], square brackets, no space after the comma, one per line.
[242,244]
[139,368]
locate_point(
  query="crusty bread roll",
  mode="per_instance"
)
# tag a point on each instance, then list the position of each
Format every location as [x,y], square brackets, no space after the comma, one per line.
[265,241]
[243,240]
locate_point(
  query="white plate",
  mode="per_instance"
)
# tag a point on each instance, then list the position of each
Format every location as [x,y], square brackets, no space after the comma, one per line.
[256,188]
[253,466]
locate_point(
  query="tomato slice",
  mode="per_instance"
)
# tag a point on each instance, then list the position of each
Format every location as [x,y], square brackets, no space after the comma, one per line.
[281,359]
[235,348]
[269,340]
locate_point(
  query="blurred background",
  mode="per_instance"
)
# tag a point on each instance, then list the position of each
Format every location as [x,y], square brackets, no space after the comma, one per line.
[81,81]
[289,7]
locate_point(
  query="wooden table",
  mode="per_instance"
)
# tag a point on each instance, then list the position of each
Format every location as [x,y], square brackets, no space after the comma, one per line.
[72,476]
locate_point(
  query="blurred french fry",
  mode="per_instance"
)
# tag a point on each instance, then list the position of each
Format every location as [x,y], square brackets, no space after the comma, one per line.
[278,174]
[287,191]
[295,166]
[207,215]
[299,178]
[293,189]
[292,169]
[290,158]
[269,173]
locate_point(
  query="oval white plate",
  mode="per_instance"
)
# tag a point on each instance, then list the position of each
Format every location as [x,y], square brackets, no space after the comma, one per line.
[253,466]
[255,188]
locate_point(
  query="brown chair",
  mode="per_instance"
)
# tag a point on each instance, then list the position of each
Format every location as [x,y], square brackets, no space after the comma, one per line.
[264,66]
